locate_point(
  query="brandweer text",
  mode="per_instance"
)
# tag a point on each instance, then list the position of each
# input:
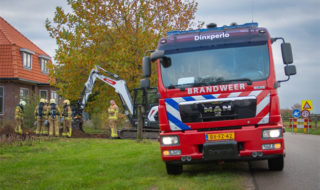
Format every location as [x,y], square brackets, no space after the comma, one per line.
[219,88]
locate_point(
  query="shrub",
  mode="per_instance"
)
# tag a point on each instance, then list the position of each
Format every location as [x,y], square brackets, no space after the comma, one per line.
[29,119]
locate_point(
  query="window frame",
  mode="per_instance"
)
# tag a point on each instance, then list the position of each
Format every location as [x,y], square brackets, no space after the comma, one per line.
[2,96]
[27,58]
[22,98]
[44,63]
[198,50]
[46,93]
[56,98]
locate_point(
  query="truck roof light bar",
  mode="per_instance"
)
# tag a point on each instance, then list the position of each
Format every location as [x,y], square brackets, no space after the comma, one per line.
[246,25]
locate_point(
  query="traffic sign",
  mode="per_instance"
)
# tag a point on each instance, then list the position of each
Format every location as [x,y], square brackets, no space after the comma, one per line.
[305,113]
[306,105]
[296,113]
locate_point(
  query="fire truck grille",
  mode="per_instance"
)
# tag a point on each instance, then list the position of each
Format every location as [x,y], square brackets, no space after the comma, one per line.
[218,109]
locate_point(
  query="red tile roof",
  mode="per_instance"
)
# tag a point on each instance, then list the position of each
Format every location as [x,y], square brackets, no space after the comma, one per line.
[11,41]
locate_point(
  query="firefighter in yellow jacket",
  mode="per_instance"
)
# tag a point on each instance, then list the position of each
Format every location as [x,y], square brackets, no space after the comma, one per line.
[53,116]
[67,119]
[19,113]
[113,117]
[40,113]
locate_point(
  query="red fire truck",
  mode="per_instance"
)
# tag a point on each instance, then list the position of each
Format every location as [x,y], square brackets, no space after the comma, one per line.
[218,95]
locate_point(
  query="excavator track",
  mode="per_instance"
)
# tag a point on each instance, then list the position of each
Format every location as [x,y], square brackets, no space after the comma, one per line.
[146,133]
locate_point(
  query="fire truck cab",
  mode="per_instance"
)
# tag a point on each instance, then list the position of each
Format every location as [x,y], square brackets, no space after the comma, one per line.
[218,96]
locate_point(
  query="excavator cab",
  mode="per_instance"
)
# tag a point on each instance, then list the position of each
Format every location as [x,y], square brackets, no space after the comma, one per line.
[148,98]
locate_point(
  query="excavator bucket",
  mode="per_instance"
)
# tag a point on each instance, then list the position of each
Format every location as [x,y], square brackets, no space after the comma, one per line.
[77,124]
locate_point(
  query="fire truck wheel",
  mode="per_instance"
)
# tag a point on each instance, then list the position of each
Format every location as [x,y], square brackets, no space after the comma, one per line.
[276,164]
[174,169]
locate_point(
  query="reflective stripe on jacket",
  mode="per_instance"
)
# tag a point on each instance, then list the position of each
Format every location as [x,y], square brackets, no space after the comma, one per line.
[19,112]
[44,112]
[67,113]
[113,112]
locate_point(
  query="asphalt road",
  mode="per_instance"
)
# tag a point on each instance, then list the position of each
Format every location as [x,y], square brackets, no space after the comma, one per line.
[301,169]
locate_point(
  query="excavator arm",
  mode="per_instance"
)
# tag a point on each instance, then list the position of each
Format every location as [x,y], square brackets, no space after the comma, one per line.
[121,89]
[116,82]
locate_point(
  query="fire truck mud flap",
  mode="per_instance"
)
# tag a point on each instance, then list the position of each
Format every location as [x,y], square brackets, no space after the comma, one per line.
[220,150]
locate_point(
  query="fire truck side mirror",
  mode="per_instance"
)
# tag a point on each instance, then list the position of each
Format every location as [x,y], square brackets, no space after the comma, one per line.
[156,55]
[146,66]
[286,53]
[145,83]
[290,70]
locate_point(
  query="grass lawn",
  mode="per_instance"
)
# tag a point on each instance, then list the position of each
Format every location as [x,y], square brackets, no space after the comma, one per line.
[104,164]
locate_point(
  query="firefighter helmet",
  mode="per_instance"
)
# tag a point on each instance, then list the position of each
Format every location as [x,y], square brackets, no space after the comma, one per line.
[66,102]
[22,102]
[52,101]
[42,100]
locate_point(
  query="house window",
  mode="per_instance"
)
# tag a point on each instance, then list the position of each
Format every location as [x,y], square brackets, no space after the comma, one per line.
[54,96]
[26,58]
[24,93]
[44,67]
[1,100]
[44,94]
[44,63]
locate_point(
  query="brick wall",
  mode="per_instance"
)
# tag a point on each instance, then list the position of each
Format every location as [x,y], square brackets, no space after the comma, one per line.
[11,99]
[12,95]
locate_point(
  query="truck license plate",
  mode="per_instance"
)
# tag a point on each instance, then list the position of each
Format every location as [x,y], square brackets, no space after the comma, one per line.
[219,136]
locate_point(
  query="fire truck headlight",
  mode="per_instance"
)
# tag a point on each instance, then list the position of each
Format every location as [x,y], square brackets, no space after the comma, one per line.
[271,133]
[170,140]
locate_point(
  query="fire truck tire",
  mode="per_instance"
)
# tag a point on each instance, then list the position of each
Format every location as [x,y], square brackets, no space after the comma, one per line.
[276,164]
[174,169]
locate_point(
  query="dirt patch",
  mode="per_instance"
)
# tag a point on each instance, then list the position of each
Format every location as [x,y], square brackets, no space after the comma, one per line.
[7,129]
[8,135]
[4,158]
[76,133]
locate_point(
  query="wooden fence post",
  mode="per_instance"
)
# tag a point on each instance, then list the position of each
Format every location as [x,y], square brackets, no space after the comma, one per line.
[140,123]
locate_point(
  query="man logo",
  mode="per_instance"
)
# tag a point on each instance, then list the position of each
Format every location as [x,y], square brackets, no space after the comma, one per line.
[207,110]
[217,111]
[226,107]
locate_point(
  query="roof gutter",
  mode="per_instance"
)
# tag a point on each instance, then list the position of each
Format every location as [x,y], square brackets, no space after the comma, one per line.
[23,80]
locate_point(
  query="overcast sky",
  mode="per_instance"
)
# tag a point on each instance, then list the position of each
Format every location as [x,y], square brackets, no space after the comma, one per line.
[296,20]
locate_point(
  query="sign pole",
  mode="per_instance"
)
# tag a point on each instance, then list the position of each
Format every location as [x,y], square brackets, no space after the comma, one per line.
[306,107]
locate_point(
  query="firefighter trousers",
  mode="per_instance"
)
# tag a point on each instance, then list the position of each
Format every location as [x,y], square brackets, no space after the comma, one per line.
[113,126]
[54,127]
[45,129]
[40,126]
[19,123]
[67,128]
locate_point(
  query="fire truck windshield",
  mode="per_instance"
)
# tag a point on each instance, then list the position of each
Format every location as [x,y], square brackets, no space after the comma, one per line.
[215,66]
